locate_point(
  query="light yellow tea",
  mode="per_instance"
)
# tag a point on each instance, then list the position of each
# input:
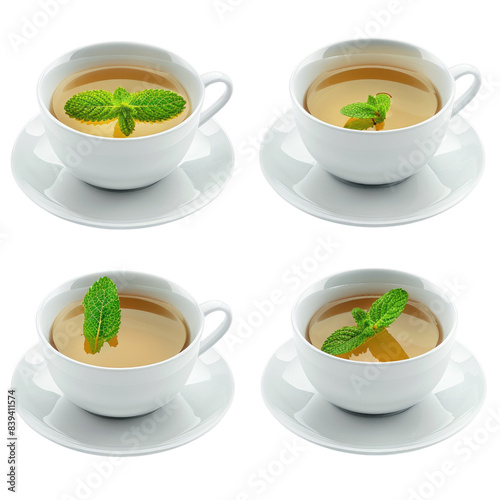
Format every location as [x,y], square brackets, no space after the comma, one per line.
[415,332]
[151,331]
[133,79]
[413,96]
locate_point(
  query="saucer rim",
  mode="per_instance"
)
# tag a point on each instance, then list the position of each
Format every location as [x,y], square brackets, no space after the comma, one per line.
[294,427]
[59,211]
[340,218]
[72,444]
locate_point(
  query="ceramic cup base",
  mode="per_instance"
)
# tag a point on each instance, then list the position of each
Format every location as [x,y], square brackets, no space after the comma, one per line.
[372,415]
[367,186]
[131,190]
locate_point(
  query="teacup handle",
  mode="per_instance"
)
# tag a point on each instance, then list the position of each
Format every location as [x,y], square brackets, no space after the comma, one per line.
[457,72]
[208,79]
[208,308]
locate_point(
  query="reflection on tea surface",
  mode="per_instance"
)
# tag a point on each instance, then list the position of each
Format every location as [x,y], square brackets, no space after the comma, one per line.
[415,332]
[413,96]
[150,331]
[109,78]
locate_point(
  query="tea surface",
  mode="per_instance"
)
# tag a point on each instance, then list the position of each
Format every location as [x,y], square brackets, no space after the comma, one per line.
[413,96]
[150,331]
[415,332]
[131,78]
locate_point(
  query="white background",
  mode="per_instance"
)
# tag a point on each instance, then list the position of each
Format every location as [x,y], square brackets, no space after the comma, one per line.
[241,247]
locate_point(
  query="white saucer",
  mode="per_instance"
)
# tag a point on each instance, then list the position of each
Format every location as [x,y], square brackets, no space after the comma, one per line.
[447,179]
[451,406]
[200,177]
[200,406]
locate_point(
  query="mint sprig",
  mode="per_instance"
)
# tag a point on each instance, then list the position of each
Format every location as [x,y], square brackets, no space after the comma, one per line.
[100,106]
[367,114]
[102,314]
[382,313]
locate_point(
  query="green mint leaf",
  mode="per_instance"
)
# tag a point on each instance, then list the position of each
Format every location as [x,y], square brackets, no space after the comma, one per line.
[360,110]
[360,316]
[383,102]
[387,308]
[92,106]
[156,105]
[126,121]
[375,109]
[150,105]
[344,340]
[382,313]
[360,124]
[102,314]
[121,97]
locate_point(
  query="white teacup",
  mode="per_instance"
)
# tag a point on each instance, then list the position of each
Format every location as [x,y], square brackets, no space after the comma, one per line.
[386,156]
[366,387]
[126,392]
[126,163]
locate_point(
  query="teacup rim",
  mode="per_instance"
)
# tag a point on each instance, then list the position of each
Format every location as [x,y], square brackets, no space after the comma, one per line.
[46,344]
[437,115]
[316,287]
[62,57]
